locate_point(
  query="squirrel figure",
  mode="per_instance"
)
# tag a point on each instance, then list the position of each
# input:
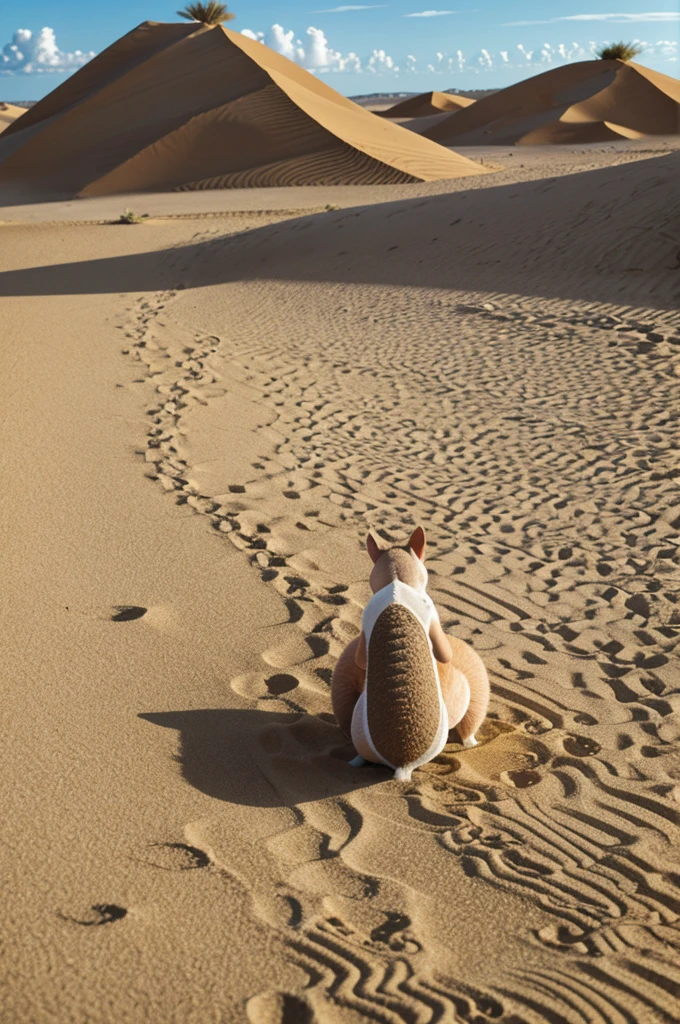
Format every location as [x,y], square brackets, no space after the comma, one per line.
[402,684]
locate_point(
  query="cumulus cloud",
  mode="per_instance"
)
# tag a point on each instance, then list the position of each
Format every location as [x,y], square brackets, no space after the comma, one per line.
[615,19]
[547,55]
[314,54]
[380,61]
[34,54]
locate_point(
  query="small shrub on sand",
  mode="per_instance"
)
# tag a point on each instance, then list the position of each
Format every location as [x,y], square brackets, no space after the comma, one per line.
[208,14]
[331,206]
[130,217]
[619,51]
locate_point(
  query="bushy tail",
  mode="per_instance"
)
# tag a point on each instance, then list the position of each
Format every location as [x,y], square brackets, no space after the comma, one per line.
[402,691]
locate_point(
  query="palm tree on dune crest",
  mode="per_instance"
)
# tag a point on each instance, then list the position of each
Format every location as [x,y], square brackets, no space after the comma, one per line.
[208,14]
[619,51]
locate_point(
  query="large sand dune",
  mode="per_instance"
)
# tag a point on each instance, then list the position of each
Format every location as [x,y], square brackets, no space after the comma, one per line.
[186,106]
[428,104]
[9,114]
[591,101]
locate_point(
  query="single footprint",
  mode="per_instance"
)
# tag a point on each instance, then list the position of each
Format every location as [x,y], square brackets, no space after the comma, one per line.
[180,857]
[106,913]
[128,612]
[281,683]
[580,746]
[278,1008]
[521,778]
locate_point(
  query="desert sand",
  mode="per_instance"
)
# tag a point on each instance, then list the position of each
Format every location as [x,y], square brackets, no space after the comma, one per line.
[9,112]
[428,104]
[203,415]
[197,107]
[586,102]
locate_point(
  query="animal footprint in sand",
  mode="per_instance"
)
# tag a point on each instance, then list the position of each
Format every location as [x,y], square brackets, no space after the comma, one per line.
[278,1008]
[105,913]
[128,612]
[179,857]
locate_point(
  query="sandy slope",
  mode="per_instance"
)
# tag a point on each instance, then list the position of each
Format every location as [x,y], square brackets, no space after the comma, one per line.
[589,101]
[9,114]
[287,387]
[426,104]
[193,107]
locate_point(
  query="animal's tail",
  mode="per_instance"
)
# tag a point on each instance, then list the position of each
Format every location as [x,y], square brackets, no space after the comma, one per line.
[402,691]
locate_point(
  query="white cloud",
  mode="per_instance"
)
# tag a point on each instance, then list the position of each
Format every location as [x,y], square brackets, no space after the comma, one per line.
[35,54]
[545,56]
[616,19]
[429,14]
[314,54]
[350,7]
[380,61]
[285,43]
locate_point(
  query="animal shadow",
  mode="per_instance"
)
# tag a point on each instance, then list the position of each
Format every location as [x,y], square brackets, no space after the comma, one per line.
[264,759]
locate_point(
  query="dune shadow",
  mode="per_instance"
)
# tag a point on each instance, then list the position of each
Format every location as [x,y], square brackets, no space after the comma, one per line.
[585,236]
[262,758]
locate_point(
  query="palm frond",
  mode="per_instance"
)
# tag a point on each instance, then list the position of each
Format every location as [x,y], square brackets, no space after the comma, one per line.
[619,51]
[210,13]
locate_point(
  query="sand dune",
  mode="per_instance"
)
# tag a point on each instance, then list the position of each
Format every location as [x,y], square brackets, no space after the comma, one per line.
[427,104]
[606,235]
[183,106]
[591,101]
[9,114]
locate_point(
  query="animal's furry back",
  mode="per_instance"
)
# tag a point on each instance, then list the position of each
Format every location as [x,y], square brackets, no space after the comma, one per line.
[402,696]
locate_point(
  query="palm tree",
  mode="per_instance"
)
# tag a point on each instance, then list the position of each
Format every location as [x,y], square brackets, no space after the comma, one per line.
[619,51]
[210,13]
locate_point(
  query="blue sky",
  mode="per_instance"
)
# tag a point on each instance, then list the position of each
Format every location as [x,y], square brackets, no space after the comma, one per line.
[406,45]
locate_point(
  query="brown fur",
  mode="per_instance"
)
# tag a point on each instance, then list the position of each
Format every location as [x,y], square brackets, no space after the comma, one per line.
[346,685]
[467,661]
[402,697]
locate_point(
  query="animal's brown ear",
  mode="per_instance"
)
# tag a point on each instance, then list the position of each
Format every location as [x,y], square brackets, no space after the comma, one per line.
[416,543]
[372,548]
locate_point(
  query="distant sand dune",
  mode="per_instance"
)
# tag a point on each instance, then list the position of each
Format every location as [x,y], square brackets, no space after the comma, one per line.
[9,114]
[182,106]
[591,101]
[427,104]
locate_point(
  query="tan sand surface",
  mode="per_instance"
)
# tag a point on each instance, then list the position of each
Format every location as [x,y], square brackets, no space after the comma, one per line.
[428,104]
[197,107]
[9,114]
[509,165]
[589,101]
[202,418]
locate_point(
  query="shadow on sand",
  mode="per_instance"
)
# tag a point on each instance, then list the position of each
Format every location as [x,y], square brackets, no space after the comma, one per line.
[597,236]
[265,759]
